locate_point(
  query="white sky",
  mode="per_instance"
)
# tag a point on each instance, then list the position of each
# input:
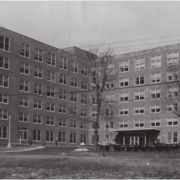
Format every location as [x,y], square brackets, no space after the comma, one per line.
[68,23]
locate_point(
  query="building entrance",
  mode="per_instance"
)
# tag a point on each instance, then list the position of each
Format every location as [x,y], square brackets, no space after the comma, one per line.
[134,139]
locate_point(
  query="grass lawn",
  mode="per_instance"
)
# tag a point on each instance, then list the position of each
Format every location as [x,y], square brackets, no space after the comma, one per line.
[76,165]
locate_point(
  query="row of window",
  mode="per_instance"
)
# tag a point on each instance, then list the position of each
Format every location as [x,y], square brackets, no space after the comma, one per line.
[25,52]
[50,135]
[153,123]
[155,62]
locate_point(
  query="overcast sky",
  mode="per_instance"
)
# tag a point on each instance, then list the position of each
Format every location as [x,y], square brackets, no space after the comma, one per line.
[64,24]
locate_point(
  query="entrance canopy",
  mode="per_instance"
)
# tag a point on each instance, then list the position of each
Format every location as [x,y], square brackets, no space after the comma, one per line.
[134,129]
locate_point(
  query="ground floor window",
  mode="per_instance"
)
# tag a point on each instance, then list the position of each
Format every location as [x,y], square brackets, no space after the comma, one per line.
[92,139]
[3,132]
[49,136]
[23,134]
[36,135]
[172,137]
[62,137]
[72,138]
[83,138]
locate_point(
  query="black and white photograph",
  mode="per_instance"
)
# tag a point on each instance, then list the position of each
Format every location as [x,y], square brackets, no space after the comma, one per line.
[89,90]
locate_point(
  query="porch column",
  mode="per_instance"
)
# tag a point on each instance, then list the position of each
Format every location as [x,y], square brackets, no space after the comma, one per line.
[145,139]
[123,140]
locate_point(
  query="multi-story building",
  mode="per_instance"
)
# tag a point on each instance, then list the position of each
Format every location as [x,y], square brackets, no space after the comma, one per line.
[44,91]
[139,92]
[39,87]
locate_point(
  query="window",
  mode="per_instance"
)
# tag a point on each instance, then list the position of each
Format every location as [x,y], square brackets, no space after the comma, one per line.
[73,124]
[109,112]
[155,93]
[3,114]
[4,63]
[38,72]
[138,123]
[25,50]
[83,125]
[36,135]
[172,122]
[155,109]
[155,61]
[51,76]
[139,110]
[124,82]
[37,119]
[139,80]
[63,79]
[93,138]
[62,137]
[155,78]
[73,111]
[63,63]
[173,92]
[62,122]
[94,100]
[24,102]
[74,82]
[155,122]
[49,136]
[74,67]
[51,59]
[23,134]
[84,85]
[63,94]
[3,132]
[24,68]
[172,137]
[83,113]
[4,81]
[139,64]
[109,125]
[4,43]
[139,95]
[124,66]
[37,104]
[84,70]
[83,99]
[63,109]
[123,124]
[109,85]
[50,107]
[50,92]
[83,138]
[38,55]
[23,117]
[172,58]
[50,121]
[93,126]
[24,85]
[124,111]
[73,97]
[37,88]
[172,107]
[4,98]
[109,98]
[93,114]
[172,76]
[72,138]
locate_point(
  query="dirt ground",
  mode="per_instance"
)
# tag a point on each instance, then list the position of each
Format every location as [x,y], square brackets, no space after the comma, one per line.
[90,166]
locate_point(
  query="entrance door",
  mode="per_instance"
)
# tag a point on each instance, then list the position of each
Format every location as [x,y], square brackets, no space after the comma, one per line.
[134,140]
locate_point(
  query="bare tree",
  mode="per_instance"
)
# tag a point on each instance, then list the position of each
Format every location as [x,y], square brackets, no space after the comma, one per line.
[102,71]
[170,97]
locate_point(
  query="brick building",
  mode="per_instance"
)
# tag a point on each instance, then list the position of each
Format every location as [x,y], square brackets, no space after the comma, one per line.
[38,90]
[45,92]
[142,117]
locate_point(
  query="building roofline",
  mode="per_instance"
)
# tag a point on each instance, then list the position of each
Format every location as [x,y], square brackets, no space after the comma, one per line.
[42,42]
